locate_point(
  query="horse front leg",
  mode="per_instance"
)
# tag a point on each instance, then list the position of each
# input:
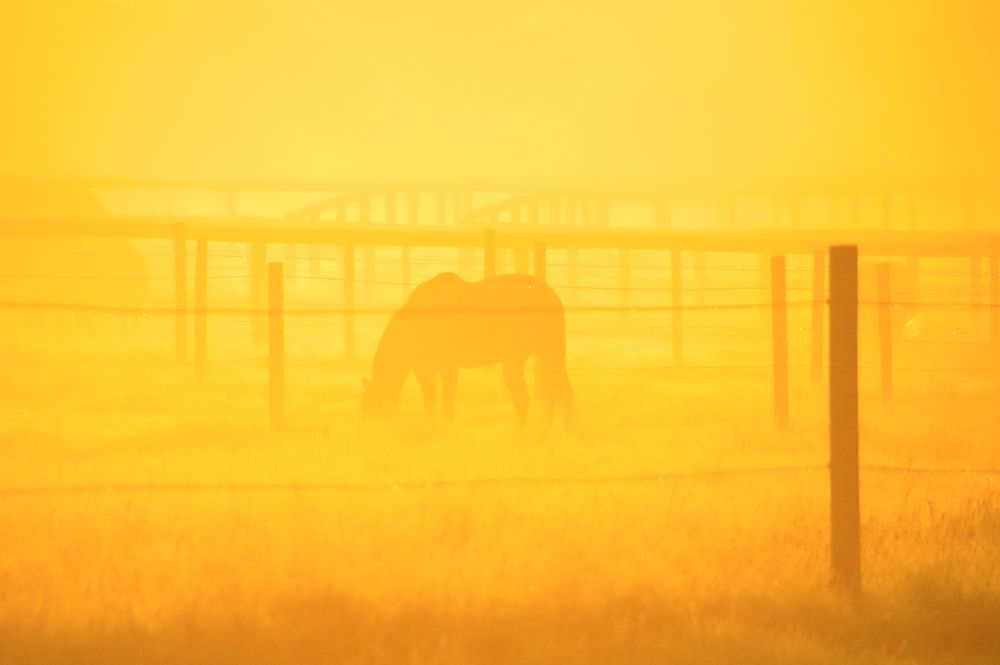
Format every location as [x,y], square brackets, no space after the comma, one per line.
[449,382]
[427,378]
[513,376]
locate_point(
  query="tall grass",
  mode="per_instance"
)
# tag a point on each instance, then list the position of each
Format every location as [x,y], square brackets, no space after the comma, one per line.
[336,543]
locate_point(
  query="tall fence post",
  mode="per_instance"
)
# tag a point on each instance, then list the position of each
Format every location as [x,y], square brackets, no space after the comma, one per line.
[676,302]
[201,313]
[180,291]
[995,298]
[489,253]
[349,298]
[845,517]
[885,329]
[276,345]
[779,339]
[258,290]
[818,307]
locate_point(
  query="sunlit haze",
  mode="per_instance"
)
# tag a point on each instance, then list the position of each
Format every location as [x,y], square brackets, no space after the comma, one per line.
[453,332]
[655,91]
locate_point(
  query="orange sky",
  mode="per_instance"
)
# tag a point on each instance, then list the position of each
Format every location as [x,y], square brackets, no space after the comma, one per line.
[656,91]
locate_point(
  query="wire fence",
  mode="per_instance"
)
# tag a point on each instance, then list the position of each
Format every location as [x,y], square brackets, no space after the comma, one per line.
[334,315]
[480,482]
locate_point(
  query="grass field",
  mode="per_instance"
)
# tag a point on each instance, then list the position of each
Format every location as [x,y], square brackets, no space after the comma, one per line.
[149,519]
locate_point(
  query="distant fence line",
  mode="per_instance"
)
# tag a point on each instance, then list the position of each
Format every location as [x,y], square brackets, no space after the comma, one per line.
[267,306]
[489,241]
[887,202]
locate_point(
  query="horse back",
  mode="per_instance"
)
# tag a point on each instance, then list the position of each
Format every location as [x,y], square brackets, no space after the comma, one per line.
[448,321]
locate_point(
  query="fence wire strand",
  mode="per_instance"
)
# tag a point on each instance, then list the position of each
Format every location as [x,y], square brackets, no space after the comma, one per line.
[485,482]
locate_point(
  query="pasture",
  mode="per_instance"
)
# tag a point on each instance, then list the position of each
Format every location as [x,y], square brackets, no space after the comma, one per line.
[148,517]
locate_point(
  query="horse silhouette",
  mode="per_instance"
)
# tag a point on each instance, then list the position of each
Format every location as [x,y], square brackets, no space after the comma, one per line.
[448,324]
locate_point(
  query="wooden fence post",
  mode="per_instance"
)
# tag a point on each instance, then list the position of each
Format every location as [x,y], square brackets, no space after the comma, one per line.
[845,517]
[995,298]
[258,290]
[818,308]
[276,345]
[349,298]
[885,329]
[200,313]
[180,291]
[779,339]
[676,302]
[489,253]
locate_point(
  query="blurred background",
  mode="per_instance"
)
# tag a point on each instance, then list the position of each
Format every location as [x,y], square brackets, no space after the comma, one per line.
[661,92]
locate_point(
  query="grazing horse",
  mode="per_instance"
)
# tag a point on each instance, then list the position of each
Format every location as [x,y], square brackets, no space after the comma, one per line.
[448,323]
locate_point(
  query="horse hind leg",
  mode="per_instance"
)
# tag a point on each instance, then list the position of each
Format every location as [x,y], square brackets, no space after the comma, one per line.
[513,376]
